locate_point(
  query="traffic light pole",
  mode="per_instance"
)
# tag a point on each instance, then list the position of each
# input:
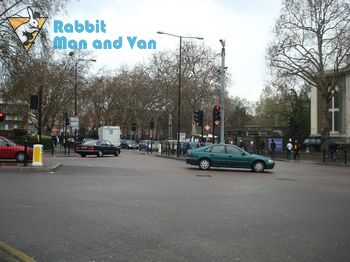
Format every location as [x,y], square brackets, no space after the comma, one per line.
[213,129]
[40,113]
[202,140]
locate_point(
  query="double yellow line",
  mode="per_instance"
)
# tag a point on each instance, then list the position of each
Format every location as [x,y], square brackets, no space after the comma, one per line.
[10,254]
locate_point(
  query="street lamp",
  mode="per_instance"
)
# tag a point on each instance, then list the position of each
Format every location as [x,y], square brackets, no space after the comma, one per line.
[76,79]
[222,100]
[179,89]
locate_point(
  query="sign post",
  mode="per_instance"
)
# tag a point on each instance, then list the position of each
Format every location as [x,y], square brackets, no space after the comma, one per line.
[74,123]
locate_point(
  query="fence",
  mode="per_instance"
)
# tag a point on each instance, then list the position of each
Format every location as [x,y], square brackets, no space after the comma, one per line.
[339,157]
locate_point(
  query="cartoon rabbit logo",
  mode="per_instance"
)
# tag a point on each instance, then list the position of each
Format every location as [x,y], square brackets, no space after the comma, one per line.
[27,28]
[25,31]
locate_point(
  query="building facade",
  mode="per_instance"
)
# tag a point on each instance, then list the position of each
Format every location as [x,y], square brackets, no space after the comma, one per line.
[338,111]
[14,118]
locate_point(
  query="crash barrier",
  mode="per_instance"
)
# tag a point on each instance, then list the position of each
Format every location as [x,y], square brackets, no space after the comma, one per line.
[338,157]
[169,148]
[65,145]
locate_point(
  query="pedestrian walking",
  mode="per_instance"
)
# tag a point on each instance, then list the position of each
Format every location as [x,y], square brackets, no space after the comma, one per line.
[241,144]
[332,148]
[296,148]
[54,141]
[273,149]
[289,147]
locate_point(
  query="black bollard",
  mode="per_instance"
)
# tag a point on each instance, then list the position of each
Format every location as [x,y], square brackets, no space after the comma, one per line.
[345,156]
[324,156]
[52,145]
[25,152]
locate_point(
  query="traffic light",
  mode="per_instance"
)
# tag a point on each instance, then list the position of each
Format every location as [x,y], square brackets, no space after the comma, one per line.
[2,117]
[67,121]
[290,120]
[200,123]
[34,101]
[198,117]
[216,115]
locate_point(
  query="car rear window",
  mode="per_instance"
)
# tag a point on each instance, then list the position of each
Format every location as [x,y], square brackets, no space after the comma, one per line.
[90,143]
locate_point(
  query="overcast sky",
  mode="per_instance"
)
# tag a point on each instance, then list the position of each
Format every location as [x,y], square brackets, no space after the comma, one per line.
[245,25]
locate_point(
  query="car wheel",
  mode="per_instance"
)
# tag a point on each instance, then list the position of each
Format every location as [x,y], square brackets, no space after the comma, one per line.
[258,166]
[83,155]
[204,164]
[100,154]
[20,157]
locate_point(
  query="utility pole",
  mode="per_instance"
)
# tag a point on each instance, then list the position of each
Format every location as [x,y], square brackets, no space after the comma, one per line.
[222,102]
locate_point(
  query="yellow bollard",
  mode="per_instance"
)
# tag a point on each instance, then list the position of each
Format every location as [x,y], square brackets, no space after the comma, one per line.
[37,155]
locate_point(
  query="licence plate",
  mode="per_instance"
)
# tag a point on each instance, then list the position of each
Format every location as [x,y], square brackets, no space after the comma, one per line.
[83,147]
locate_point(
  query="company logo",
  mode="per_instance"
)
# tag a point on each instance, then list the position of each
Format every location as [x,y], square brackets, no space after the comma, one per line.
[68,31]
[27,28]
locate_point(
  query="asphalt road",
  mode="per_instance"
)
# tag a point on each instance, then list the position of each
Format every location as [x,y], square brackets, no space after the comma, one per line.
[138,207]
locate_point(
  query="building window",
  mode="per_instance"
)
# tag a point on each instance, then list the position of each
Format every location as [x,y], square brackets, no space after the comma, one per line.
[334,112]
[14,118]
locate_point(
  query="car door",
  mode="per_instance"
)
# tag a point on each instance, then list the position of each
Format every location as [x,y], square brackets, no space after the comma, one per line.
[110,147]
[3,148]
[237,157]
[218,156]
[6,149]
[106,149]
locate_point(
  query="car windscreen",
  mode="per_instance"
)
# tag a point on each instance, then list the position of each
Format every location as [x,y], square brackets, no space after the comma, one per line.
[5,141]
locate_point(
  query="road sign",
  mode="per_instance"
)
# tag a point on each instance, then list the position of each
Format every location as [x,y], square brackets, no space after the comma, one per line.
[74,122]
[182,137]
[207,127]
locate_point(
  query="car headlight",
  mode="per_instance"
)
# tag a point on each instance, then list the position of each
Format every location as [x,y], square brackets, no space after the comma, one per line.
[270,161]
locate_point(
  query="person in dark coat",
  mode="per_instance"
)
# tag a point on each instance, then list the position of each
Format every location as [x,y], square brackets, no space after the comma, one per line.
[296,148]
[273,149]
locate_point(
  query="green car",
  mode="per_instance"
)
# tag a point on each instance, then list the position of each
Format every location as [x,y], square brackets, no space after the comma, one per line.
[227,156]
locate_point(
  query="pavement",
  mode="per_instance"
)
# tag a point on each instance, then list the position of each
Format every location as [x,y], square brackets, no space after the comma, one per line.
[50,164]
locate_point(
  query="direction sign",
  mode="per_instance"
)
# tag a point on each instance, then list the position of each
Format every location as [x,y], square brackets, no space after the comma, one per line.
[74,122]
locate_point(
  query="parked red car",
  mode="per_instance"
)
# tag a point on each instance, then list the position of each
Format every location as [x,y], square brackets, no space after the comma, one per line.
[10,150]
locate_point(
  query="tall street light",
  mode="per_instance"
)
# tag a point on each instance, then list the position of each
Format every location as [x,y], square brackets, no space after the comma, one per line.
[76,79]
[179,89]
[222,100]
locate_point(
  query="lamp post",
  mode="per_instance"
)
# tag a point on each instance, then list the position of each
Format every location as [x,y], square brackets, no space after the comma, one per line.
[222,100]
[179,89]
[76,79]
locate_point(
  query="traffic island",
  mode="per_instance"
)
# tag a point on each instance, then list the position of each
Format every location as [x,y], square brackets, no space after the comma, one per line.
[8,253]
[46,167]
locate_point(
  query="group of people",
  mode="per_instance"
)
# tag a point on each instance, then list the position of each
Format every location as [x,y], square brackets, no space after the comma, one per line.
[291,148]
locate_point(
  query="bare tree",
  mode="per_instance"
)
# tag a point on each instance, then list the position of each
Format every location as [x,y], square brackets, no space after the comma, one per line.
[201,80]
[311,41]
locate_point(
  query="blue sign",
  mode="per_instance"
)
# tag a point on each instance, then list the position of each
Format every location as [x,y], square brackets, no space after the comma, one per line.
[278,141]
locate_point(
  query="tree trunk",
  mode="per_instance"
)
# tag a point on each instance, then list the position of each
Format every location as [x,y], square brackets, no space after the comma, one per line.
[325,123]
